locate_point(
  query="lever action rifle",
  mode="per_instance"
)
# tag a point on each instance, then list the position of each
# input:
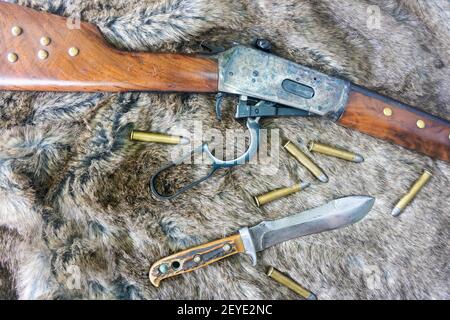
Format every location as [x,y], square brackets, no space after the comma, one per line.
[267,85]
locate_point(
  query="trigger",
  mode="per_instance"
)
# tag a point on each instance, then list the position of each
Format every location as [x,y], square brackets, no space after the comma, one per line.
[219,98]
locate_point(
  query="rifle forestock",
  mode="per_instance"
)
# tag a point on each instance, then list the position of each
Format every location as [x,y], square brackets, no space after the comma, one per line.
[92,64]
[396,122]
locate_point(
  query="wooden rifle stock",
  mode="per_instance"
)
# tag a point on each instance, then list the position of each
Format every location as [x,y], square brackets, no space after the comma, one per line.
[96,67]
[81,60]
[393,121]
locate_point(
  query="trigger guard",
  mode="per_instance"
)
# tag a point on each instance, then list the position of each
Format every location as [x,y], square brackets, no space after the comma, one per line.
[170,165]
[253,127]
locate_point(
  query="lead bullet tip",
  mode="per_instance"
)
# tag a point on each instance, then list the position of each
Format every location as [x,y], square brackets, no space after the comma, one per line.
[184,140]
[396,211]
[323,178]
[312,296]
[304,185]
[358,158]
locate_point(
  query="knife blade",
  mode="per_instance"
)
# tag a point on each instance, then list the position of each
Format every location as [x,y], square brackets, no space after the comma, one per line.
[335,214]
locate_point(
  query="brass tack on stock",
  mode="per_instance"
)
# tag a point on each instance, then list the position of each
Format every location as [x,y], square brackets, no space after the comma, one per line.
[279,193]
[45,41]
[16,31]
[12,57]
[291,284]
[411,194]
[42,54]
[156,137]
[73,51]
[293,150]
[334,152]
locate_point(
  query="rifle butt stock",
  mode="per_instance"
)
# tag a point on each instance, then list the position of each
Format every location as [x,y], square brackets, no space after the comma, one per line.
[80,59]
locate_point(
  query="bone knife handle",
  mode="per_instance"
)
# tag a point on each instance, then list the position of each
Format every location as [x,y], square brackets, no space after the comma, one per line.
[194,258]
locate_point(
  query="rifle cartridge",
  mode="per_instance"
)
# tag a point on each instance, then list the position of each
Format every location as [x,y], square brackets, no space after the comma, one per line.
[279,193]
[305,161]
[334,152]
[144,136]
[291,284]
[411,194]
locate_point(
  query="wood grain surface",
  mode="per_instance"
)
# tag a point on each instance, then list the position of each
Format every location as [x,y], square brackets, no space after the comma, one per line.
[96,67]
[398,123]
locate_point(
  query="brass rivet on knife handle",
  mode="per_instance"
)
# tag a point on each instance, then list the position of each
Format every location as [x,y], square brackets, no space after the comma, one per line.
[305,161]
[279,193]
[411,194]
[144,136]
[194,258]
[291,284]
[334,152]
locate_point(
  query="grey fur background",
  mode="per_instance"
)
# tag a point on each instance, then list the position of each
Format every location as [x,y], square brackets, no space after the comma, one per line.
[76,218]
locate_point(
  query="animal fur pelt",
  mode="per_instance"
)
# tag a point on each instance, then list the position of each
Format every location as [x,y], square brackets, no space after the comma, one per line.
[76,217]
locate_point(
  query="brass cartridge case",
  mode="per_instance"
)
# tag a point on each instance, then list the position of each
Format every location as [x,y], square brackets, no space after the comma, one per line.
[279,193]
[305,161]
[411,194]
[334,152]
[144,136]
[291,284]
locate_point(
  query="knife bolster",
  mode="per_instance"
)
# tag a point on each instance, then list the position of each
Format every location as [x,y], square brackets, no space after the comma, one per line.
[249,246]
